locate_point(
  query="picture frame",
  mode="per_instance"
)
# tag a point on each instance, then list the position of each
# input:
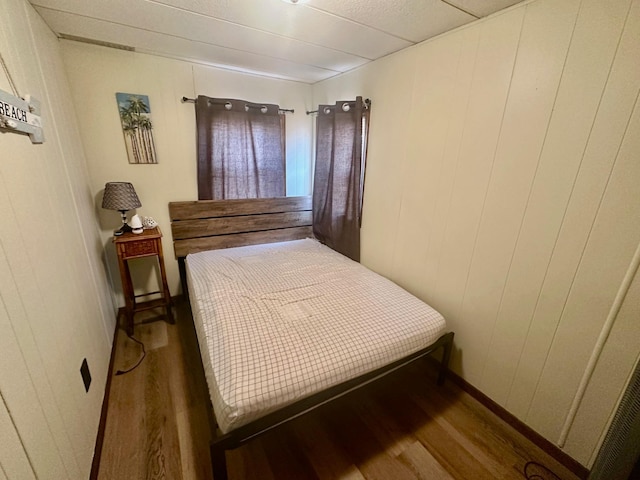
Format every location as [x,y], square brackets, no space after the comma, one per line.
[135,117]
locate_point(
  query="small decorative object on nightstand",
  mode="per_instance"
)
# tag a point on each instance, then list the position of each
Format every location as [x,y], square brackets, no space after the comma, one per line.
[136,224]
[130,246]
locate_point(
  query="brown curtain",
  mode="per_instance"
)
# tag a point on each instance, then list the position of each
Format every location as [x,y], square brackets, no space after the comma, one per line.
[338,187]
[240,149]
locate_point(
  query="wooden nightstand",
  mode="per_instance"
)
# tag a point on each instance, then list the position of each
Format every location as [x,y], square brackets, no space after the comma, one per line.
[130,246]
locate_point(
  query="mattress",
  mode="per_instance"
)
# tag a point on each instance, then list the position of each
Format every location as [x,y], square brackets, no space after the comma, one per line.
[279,322]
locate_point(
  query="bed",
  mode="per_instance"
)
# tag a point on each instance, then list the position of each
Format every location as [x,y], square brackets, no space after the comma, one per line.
[285,324]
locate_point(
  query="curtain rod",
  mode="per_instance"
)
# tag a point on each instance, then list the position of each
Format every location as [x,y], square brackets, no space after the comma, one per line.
[366,103]
[255,105]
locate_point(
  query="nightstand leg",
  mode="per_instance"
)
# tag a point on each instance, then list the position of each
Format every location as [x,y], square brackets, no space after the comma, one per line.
[165,286]
[127,290]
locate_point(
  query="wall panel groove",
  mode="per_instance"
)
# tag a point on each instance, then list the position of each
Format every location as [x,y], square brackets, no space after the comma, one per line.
[491,78]
[14,462]
[573,191]
[547,39]
[588,184]
[486,205]
[581,84]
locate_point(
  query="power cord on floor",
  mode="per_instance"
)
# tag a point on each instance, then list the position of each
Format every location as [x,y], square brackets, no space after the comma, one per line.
[144,354]
[537,476]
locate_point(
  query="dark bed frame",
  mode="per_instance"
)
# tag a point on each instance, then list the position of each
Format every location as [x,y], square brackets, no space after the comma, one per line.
[213,224]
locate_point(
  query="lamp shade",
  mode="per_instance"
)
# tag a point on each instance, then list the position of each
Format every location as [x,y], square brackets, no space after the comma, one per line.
[120,196]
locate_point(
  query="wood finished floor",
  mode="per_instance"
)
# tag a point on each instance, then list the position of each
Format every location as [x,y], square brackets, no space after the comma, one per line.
[403,427]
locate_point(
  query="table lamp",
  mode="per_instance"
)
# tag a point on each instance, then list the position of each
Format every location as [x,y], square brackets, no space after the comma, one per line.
[120,196]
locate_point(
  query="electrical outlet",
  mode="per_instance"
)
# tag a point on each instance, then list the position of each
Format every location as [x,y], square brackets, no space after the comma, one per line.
[86,374]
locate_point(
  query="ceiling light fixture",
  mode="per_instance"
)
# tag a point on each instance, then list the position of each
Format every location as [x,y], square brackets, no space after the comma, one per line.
[295,2]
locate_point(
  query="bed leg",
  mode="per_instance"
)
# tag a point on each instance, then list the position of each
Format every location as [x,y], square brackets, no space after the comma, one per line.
[183,278]
[218,462]
[446,355]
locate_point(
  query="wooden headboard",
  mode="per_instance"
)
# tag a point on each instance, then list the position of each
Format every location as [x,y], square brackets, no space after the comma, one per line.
[212,224]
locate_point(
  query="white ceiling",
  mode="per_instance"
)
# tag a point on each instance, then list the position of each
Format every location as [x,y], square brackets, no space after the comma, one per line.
[305,42]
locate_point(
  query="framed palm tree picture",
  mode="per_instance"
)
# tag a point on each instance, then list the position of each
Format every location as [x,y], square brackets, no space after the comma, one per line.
[135,115]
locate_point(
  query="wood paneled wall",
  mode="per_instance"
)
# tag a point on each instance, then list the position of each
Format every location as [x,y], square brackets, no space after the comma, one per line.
[55,303]
[503,187]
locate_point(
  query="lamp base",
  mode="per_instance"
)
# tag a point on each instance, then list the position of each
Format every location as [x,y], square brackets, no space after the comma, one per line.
[124,229]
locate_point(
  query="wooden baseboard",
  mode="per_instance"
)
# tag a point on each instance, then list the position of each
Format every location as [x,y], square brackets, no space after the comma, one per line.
[576,467]
[97,451]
